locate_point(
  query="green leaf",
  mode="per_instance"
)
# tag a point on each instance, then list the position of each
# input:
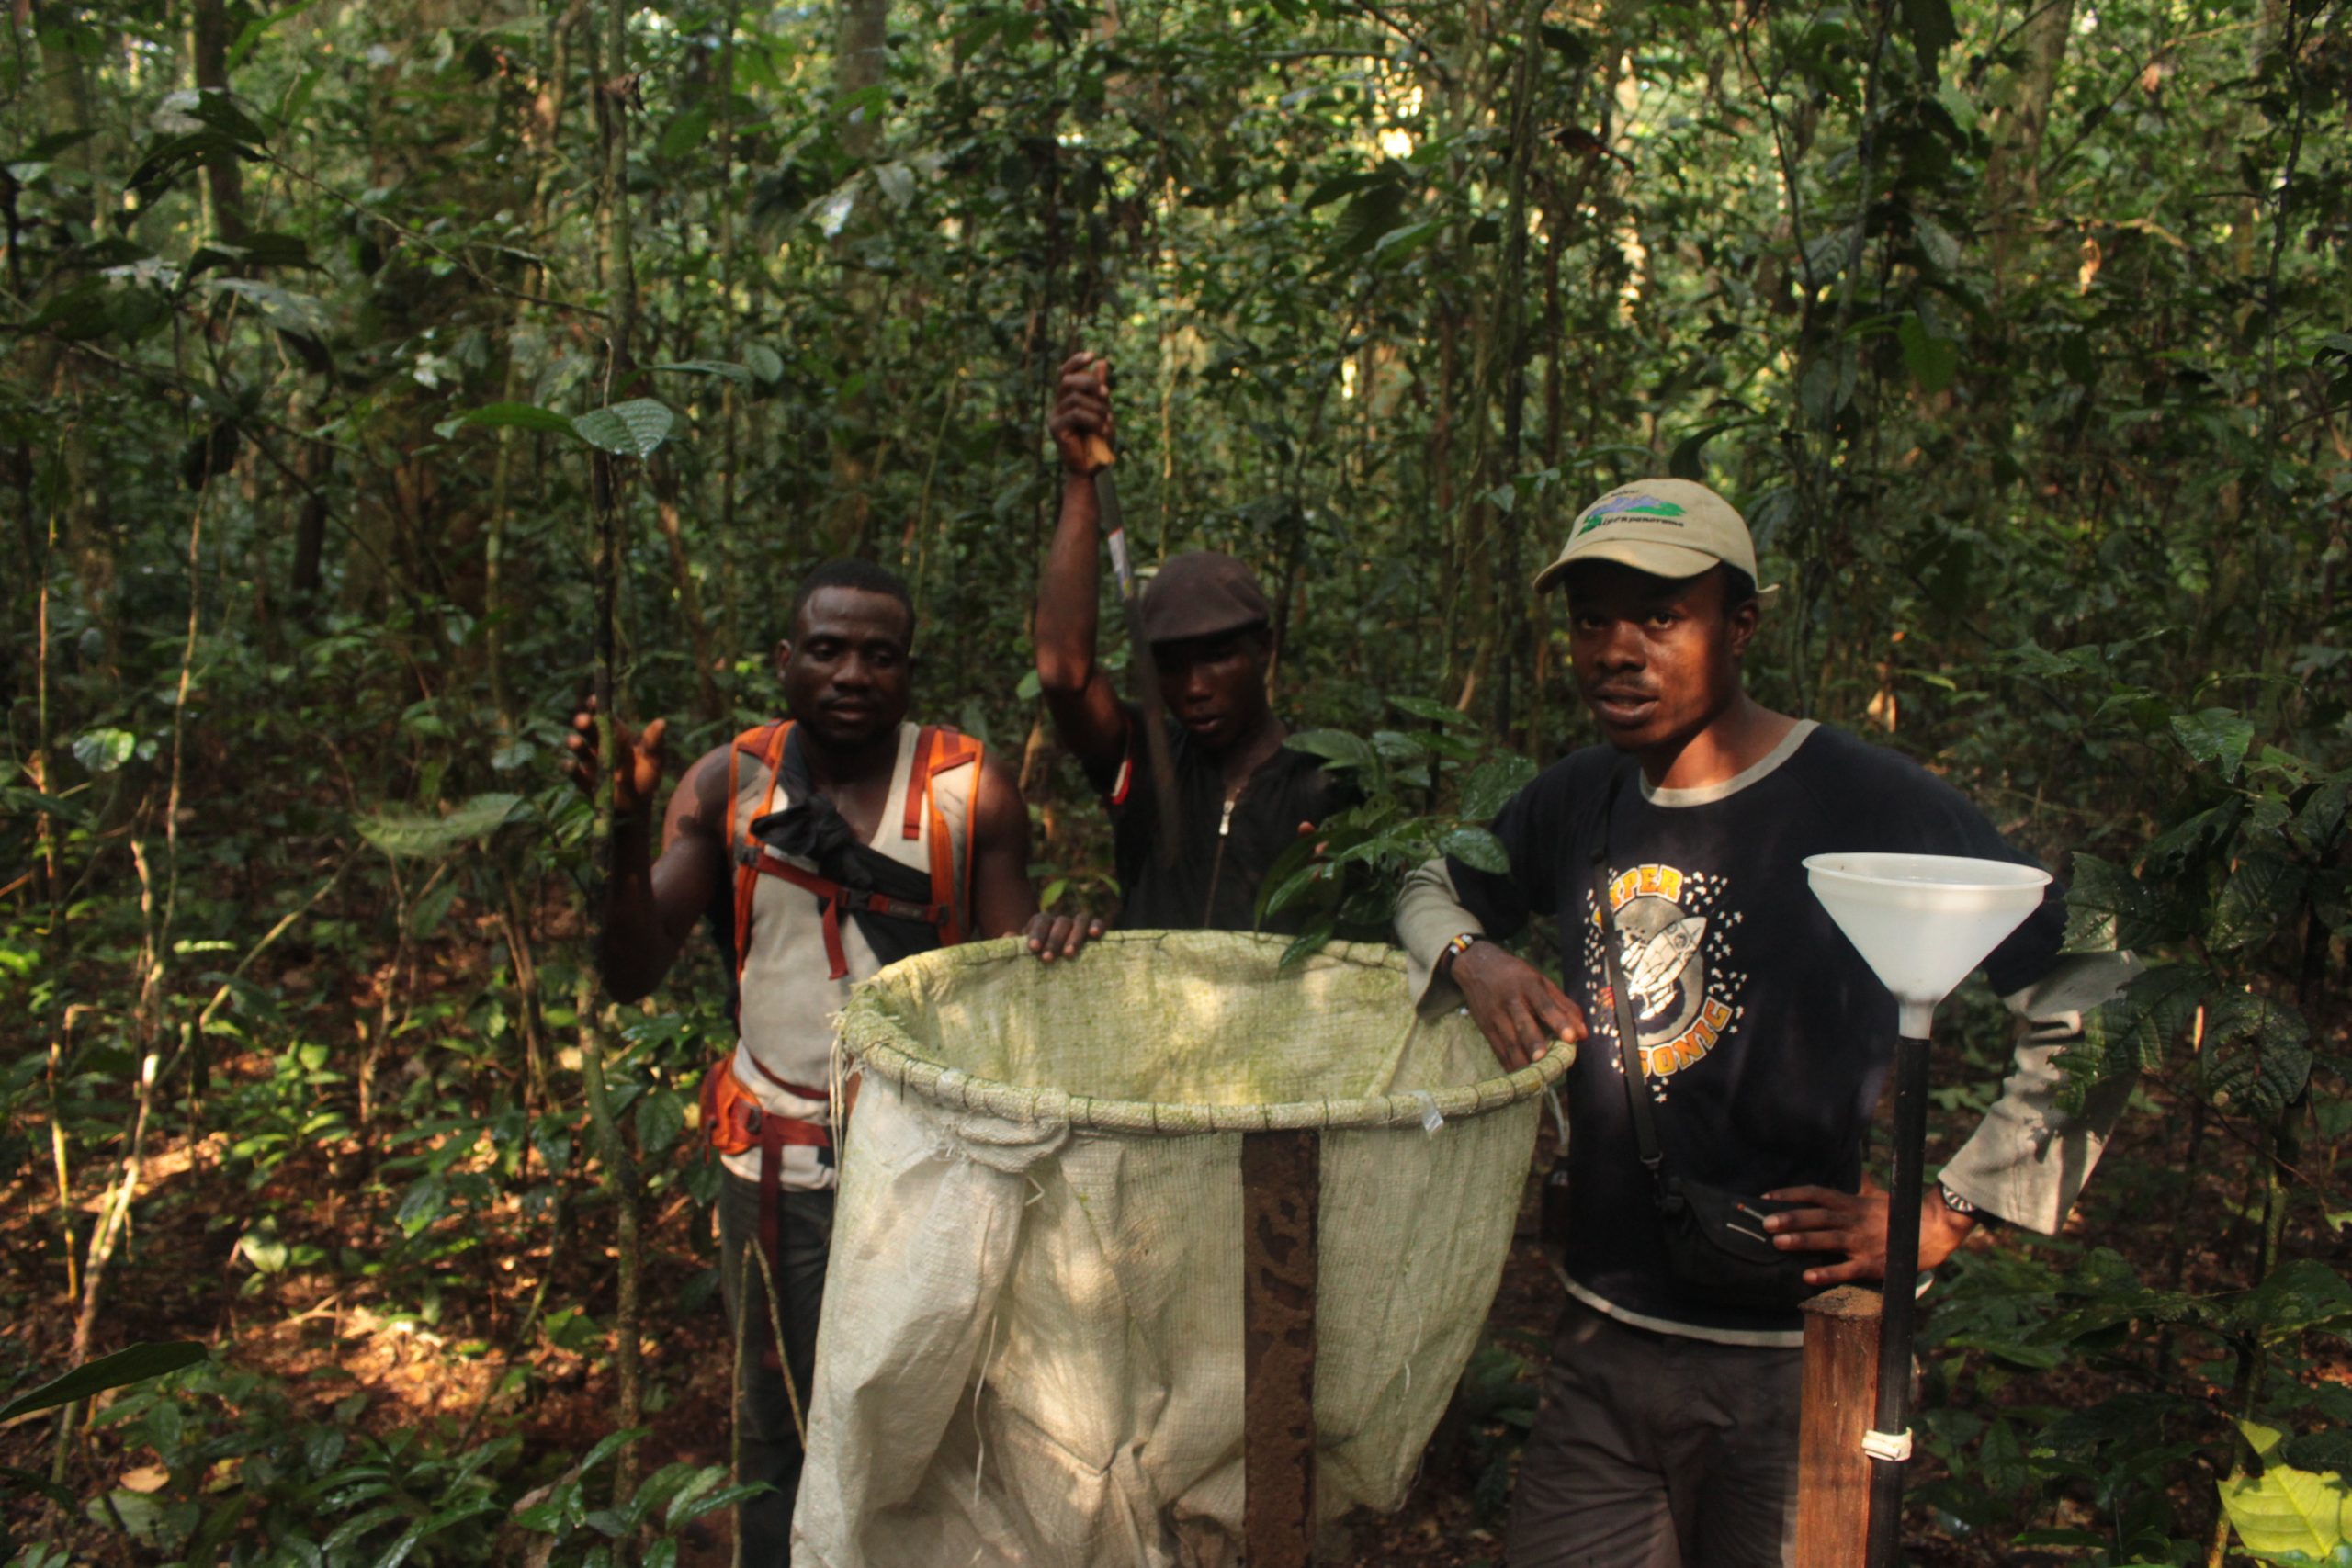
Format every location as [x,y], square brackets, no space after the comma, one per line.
[284,309]
[2264,892]
[1307,941]
[1371,214]
[1398,748]
[2286,1511]
[739,374]
[1430,709]
[1476,848]
[357,1527]
[1337,747]
[135,1364]
[1936,243]
[2316,824]
[254,30]
[398,1553]
[104,750]
[2215,734]
[2110,910]
[1400,242]
[1934,361]
[254,250]
[2170,853]
[609,1445]
[175,156]
[2299,1296]
[1688,460]
[264,1249]
[216,108]
[2137,1030]
[1492,784]
[764,363]
[499,416]
[634,429]
[661,1117]
[2256,1056]
[416,835]
[15,1480]
[683,134]
[1932,30]
[424,1202]
[690,1507]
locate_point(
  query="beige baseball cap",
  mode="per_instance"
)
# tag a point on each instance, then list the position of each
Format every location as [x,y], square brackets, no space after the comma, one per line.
[1666,527]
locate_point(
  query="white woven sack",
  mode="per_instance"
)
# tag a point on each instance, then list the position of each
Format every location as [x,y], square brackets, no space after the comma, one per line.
[1031,1345]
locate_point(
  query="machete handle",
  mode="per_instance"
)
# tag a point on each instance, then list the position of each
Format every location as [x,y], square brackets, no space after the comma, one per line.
[1099,453]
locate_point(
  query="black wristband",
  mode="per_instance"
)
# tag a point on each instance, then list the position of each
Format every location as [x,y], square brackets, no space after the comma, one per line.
[1454,950]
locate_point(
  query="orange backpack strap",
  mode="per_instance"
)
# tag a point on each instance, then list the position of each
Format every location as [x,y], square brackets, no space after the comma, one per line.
[919,778]
[766,742]
[954,894]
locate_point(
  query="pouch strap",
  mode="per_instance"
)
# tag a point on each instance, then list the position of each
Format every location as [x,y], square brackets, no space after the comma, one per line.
[1629,1040]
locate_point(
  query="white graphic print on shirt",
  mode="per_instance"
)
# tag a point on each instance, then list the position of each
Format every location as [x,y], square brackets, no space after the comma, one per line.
[1674,947]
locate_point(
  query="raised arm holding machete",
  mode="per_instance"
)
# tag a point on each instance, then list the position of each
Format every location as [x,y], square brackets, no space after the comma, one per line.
[1195,833]
[1152,710]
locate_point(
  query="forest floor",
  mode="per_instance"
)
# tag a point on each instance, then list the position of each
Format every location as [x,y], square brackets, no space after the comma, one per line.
[324,1333]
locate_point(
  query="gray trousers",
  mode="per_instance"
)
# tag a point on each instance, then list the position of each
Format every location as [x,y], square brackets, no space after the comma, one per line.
[767,1442]
[1655,1452]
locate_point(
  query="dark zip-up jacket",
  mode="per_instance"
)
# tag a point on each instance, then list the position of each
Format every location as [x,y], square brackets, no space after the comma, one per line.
[1224,848]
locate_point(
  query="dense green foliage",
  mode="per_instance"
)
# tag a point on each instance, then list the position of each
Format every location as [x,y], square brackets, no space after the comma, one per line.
[364,361]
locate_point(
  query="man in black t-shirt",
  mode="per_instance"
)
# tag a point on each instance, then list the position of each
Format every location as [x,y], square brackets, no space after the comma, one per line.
[1668,1433]
[1242,797]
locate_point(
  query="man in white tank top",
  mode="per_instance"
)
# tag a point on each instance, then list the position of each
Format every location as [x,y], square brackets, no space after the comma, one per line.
[819,849]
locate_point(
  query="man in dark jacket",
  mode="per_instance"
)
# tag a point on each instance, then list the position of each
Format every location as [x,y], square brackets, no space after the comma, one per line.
[1242,796]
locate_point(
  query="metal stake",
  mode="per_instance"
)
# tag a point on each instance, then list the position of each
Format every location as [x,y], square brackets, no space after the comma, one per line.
[1889,1445]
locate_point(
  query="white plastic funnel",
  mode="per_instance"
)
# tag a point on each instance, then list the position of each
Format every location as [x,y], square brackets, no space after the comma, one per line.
[1922,923]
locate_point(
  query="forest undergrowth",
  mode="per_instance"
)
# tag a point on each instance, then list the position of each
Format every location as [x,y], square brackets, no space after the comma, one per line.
[307,1344]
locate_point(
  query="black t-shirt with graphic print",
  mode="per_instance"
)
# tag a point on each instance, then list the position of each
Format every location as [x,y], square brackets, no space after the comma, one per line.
[1766,1037]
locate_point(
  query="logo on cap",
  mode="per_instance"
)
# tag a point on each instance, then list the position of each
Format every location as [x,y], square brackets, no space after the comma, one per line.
[1637,506]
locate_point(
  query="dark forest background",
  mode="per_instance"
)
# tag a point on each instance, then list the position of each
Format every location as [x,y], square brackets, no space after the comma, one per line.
[377,380]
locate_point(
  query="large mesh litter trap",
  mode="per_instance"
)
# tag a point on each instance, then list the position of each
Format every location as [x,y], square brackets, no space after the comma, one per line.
[1033,1347]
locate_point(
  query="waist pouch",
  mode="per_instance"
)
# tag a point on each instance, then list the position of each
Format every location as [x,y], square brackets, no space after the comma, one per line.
[1717,1247]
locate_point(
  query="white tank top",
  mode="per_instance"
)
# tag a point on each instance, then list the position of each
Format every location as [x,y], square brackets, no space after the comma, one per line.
[787,999]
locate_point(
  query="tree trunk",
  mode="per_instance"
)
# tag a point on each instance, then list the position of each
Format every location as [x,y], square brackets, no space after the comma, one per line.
[681,573]
[725,229]
[207,52]
[609,553]
[861,62]
[1512,592]
[2012,173]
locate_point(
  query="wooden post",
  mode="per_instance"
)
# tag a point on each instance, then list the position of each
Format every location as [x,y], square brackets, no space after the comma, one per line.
[1281,1192]
[1841,1394]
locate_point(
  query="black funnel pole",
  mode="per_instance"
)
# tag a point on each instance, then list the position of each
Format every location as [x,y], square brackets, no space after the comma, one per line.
[1901,1294]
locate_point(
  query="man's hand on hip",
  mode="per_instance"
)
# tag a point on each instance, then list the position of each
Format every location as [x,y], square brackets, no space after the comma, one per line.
[1515,1005]
[1855,1224]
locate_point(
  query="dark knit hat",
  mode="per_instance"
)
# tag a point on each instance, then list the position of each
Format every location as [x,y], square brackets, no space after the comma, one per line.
[1202,594]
